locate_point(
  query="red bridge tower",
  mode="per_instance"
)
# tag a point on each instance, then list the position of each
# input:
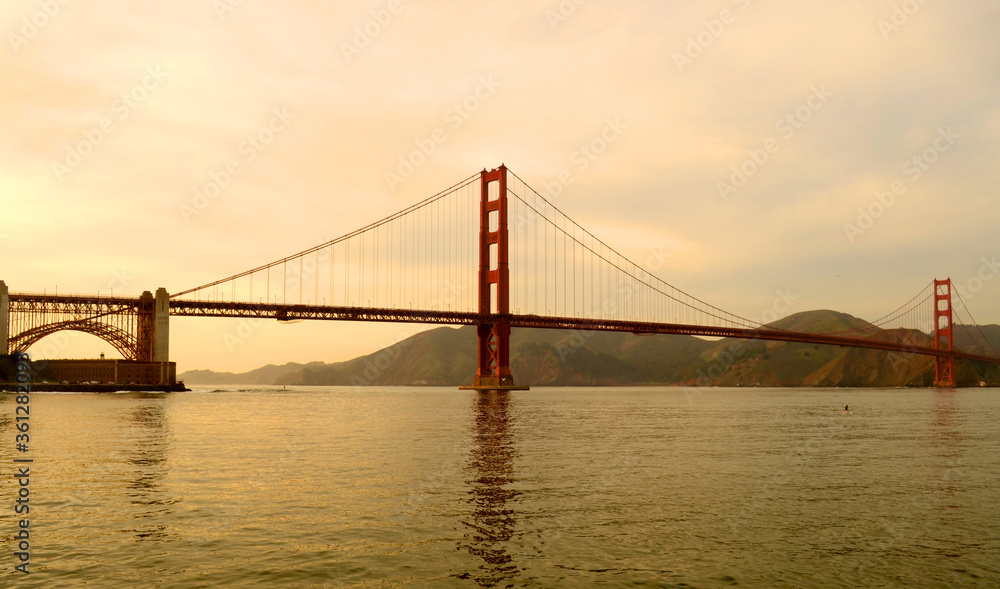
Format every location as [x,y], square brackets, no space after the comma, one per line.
[493,371]
[944,373]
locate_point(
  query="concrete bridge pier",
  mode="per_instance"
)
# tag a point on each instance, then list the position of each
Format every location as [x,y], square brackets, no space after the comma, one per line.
[4,317]
[154,326]
[161,329]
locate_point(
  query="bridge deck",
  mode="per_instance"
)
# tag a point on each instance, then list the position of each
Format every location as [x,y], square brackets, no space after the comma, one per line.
[98,305]
[301,312]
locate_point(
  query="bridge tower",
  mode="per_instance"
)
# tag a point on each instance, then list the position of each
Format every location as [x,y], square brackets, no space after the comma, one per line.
[944,370]
[493,371]
[161,326]
[153,327]
[4,318]
[145,327]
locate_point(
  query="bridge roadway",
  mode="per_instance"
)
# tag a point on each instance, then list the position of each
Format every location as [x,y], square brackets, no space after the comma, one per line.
[285,312]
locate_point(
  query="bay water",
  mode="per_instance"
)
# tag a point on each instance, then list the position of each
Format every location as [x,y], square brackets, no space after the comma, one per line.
[555,487]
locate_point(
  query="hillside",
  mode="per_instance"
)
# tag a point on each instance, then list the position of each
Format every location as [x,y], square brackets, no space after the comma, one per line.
[264,375]
[758,363]
[446,356]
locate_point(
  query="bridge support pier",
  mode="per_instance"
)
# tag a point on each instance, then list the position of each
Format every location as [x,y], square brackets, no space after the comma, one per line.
[944,368]
[4,319]
[145,327]
[161,326]
[493,371]
[154,326]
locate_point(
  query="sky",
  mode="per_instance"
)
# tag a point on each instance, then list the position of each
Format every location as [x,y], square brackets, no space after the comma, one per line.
[839,155]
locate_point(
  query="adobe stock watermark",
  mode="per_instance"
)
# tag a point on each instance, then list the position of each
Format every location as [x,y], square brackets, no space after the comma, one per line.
[581,160]
[449,295]
[977,281]
[120,279]
[444,476]
[896,359]
[578,338]
[121,109]
[710,33]
[244,330]
[908,524]
[914,169]
[454,117]
[247,150]
[225,7]
[780,307]
[794,459]
[609,307]
[737,351]
[562,12]
[308,270]
[657,258]
[624,293]
[376,364]
[52,346]
[787,126]
[283,459]
[32,25]
[899,17]
[370,30]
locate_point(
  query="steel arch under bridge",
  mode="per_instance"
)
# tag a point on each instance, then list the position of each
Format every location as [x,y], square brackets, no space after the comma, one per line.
[137,328]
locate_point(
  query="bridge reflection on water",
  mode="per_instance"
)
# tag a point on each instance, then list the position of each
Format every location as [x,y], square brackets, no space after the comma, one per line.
[492,522]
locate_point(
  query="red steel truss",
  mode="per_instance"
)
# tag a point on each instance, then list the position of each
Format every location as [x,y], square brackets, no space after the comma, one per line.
[117,320]
[125,323]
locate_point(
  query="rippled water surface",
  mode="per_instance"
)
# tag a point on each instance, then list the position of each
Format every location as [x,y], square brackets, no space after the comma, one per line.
[432,487]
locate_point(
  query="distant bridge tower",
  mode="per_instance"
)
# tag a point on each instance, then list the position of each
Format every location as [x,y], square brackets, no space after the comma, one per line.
[493,371]
[944,370]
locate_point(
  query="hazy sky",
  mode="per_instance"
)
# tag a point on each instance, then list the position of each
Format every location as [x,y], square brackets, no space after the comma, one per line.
[116,114]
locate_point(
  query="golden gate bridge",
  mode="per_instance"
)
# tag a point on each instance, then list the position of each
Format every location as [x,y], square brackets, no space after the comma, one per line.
[488,251]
